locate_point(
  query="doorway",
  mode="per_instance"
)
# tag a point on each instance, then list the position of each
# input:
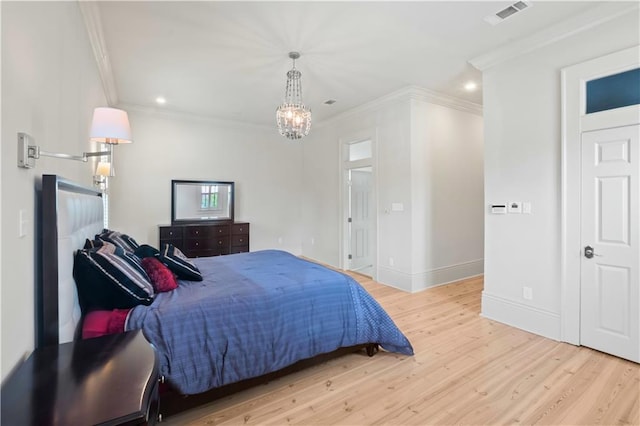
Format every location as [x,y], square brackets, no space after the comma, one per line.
[359,223]
[610,262]
[359,211]
[600,215]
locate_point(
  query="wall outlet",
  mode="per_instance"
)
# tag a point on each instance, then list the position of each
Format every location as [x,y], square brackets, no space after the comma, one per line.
[313,241]
[280,240]
[526,207]
[391,261]
[527,293]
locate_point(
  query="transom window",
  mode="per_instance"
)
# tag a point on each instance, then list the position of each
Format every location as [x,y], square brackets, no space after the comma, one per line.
[613,91]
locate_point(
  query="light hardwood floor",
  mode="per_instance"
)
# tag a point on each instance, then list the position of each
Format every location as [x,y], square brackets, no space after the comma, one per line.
[466,370]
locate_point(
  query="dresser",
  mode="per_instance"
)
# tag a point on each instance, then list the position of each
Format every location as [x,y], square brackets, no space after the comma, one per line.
[210,239]
[109,380]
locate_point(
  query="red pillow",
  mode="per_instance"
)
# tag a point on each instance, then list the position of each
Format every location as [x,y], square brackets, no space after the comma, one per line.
[100,323]
[161,277]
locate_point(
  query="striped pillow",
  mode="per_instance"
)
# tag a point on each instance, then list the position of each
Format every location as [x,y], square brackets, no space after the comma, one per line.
[118,239]
[110,277]
[178,263]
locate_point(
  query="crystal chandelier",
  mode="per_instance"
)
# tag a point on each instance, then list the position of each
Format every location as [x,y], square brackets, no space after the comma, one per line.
[294,119]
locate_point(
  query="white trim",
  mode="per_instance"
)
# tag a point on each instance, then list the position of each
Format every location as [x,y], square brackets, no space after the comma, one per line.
[573,122]
[354,137]
[91,15]
[435,277]
[577,24]
[519,315]
[407,93]
[185,116]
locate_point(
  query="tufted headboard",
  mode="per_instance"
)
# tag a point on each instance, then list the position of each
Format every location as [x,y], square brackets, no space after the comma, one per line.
[69,213]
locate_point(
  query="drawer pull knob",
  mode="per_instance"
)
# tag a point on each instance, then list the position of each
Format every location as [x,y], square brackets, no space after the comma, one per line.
[197,243]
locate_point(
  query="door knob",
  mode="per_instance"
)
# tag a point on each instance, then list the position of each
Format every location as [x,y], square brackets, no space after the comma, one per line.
[589,252]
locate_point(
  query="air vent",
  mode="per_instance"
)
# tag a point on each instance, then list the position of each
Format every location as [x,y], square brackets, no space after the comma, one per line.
[507,12]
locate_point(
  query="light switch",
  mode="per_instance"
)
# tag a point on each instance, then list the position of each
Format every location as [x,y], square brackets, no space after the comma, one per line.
[22,224]
[526,207]
[397,207]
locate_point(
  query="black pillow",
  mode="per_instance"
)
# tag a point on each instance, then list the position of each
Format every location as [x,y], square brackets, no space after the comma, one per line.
[109,277]
[118,239]
[178,263]
[145,250]
[90,244]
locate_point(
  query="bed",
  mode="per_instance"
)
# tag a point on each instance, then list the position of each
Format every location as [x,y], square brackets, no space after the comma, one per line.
[251,316]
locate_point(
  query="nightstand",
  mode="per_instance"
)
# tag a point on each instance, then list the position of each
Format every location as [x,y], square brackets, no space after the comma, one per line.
[109,380]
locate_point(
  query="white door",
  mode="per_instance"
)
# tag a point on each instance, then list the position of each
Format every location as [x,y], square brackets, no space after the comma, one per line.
[360,219]
[610,234]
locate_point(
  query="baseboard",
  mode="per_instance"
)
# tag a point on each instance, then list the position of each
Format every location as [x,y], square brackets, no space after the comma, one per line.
[519,315]
[414,283]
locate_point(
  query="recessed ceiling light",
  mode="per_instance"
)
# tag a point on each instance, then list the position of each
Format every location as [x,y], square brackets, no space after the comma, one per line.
[470,86]
[160,100]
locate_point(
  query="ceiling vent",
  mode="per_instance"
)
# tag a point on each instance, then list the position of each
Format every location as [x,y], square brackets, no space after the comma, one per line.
[507,12]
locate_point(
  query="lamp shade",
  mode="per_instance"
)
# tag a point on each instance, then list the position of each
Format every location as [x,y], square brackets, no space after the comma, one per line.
[103,169]
[110,125]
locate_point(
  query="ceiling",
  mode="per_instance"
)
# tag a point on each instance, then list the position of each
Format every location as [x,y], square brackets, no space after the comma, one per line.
[229,59]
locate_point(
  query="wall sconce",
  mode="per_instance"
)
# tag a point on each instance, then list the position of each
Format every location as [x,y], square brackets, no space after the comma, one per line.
[103,171]
[109,126]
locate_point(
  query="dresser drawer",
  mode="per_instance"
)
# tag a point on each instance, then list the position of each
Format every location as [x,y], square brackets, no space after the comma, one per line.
[240,228]
[170,233]
[218,230]
[206,243]
[196,232]
[240,240]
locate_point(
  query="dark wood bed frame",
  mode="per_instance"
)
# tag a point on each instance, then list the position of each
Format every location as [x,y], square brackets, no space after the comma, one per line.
[171,401]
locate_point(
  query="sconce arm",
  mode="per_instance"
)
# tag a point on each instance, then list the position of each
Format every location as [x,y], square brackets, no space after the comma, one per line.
[27,154]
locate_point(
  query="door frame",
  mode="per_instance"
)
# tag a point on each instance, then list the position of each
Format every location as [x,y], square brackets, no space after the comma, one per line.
[345,165]
[574,122]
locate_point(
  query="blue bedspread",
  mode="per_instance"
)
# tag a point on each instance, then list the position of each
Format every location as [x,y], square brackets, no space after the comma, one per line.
[255,313]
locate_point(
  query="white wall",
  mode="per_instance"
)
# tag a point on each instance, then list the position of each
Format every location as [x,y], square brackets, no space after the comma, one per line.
[265,167]
[429,159]
[522,163]
[50,85]
[448,194]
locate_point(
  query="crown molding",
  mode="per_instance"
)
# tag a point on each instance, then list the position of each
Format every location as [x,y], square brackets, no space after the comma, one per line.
[93,24]
[433,97]
[193,117]
[405,94]
[579,23]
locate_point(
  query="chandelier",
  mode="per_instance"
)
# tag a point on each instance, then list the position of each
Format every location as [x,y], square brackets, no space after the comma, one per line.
[294,119]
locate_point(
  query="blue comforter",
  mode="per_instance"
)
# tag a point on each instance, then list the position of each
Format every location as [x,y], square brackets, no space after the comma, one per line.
[255,313]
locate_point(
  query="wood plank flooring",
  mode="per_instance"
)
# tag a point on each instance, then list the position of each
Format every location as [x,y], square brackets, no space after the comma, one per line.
[466,370]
